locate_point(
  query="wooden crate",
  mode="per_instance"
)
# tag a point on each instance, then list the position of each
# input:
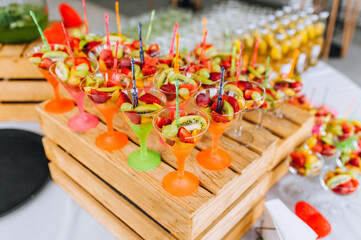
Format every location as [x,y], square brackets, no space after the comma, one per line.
[133,204]
[22,86]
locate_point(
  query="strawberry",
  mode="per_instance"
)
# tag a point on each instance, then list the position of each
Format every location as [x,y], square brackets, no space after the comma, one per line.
[99,97]
[154,47]
[219,118]
[233,102]
[163,122]
[136,44]
[280,86]
[214,105]
[74,42]
[133,117]
[169,88]
[226,64]
[123,98]
[107,56]
[149,70]
[346,128]
[125,63]
[190,87]
[126,71]
[80,60]
[37,55]
[173,113]
[215,76]
[328,150]
[91,45]
[297,86]
[346,188]
[45,63]
[298,159]
[127,49]
[191,69]
[165,61]
[244,85]
[248,94]
[318,147]
[185,136]
[151,61]
[149,99]
[354,162]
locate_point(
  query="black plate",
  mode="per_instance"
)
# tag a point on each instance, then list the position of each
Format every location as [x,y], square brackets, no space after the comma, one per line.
[23,167]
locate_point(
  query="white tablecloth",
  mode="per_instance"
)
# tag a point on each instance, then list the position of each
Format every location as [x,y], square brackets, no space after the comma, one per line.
[54,215]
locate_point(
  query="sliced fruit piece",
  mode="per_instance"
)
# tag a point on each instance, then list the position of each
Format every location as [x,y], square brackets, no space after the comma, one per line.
[234,103]
[82,67]
[170,130]
[123,98]
[99,97]
[203,100]
[62,71]
[253,71]
[233,88]
[203,80]
[191,122]
[147,108]
[185,136]
[70,17]
[227,110]
[161,121]
[244,85]
[184,92]
[181,79]
[256,96]
[149,99]
[149,70]
[169,88]
[45,63]
[204,72]
[338,180]
[126,107]
[55,55]
[163,77]
[219,118]
[190,87]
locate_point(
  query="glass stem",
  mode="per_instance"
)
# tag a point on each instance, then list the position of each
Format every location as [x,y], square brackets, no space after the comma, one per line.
[143,147]
[260,119]
[238,127]
[109,121]
[181,157]
[56,91]
[80,103]
[278,112]
[215,144]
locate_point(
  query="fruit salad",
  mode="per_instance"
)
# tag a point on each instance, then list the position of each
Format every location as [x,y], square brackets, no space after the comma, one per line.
[43,58]
[305,163]
[132,50]
[252,92]
[273,99]
[351,161]
[165,63]
[232,103]
[300,101]
[208,78]
[291,87]
[185,134]
[340,181]
[343,130]
[82,44]
[188,86]
[209,52]
[325,147]
[105,57]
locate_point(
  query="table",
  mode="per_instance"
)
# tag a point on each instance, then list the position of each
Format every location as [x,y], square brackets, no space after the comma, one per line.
[54,215]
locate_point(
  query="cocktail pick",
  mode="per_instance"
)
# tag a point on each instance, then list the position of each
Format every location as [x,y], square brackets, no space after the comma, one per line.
[204,42]
[135,92]
[233,61]
[348,110]
[150,25]
[40,30]
[255,53]
[67,42]
[177,103]
[204,20]
[118,19]
[267,73]
[141,52]
[171,50]
[228,42]
[176,61]
[115,60]
[239,63]
[219,98]
[85,18]
[106,16]
[294,61]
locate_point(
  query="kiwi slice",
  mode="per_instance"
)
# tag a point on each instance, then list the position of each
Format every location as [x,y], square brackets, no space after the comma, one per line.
[228,110]
[211,52]
[82,44]
[137,70]
[147,108]
[62,71]
[234,88]
[338,180]
[191,122]
[205,81]
[253,71]
[204,72]
[216,67]
[181,79]
[163,77]
[55,55]
[261,69]
[109,89]
[82,66]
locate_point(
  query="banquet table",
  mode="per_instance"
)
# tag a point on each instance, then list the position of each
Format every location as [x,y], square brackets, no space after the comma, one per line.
[52,214]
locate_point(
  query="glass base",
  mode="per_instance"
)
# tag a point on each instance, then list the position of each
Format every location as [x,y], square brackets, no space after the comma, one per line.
[111,141]
[59,106]
[180,187]
[82,123]
[136,162]
[216,163]
[244,139]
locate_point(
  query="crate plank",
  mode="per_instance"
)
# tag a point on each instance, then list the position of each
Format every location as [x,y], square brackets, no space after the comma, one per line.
[124,210]
[18,68]
[11,112]
[105,217]
[25,91]
[14,51]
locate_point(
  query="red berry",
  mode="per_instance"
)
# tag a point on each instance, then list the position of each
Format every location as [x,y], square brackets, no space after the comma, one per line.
[328,150]
[149,70]
[123,98]
[203,100]
[125,63]
[233,102]
[248,94]
[190,87]
[127,71]
[45,63]
[215,76]
[74,42]
[173,113]
[214,106]
[154,47]
[99,97]
[136,44]
[296,86]
[107,56]
[226,64]
[170,88]
[163,122]
[149,99]
[91,45]
[133,117]
[354,162]
[298,159]
[219,117]
[151,61]
[346,128]
[127,48]
[185,136]
[244,85]
[280,86]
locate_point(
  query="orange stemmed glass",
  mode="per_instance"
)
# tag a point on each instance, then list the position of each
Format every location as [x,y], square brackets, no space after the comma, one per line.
[213,158]
[43,58]
[108,103]
[180,183]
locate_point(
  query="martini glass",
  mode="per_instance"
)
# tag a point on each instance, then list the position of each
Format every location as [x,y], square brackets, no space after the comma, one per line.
[180,183]
[82,121]
[108,104]
[43,59]
[213,158]
[142,124]
[243,137]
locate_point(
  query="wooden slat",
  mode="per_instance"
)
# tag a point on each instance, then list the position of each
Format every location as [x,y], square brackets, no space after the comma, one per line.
[106,218]
[124,210]
[24,91]
[278,172]
[13,112]
[18,68]
[14,51]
